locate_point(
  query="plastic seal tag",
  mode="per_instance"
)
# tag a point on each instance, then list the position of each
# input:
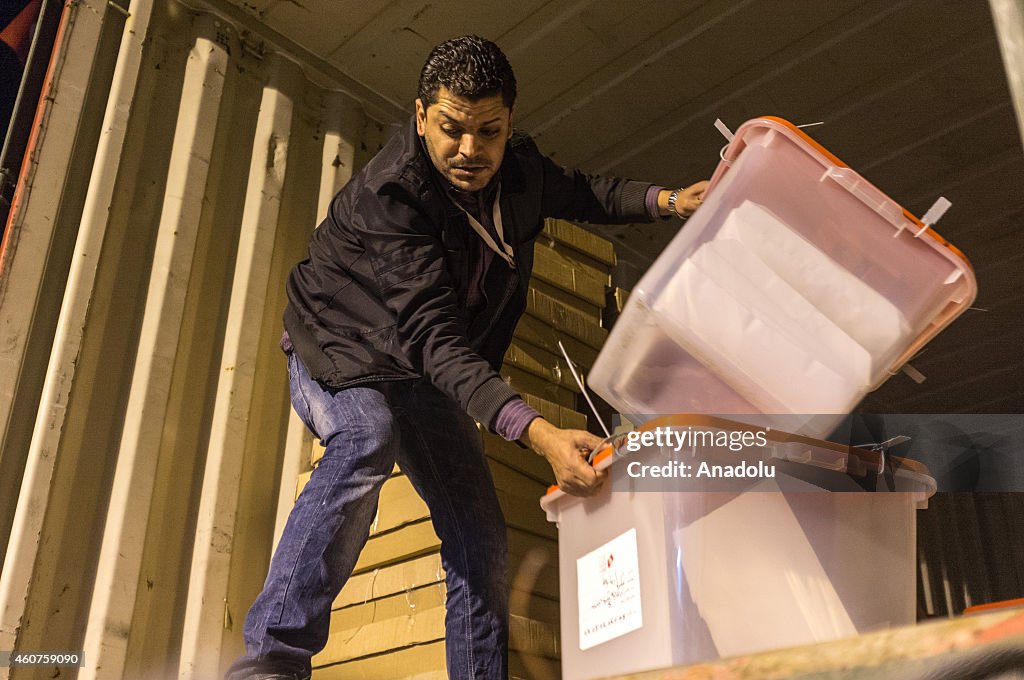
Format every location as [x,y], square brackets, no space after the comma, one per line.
[882,448]
[934,214]
[583,389]
[914,374]
[724,129]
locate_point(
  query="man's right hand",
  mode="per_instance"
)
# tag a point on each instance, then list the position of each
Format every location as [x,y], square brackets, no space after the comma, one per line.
[566,452]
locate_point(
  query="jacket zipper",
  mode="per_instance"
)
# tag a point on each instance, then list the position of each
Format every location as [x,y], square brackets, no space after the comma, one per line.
[510,288]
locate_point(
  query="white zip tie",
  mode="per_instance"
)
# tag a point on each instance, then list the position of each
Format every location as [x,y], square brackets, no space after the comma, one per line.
[934,214]
[583,389]
[724,129]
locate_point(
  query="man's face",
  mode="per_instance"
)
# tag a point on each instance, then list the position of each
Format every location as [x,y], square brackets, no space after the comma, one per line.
[465,138]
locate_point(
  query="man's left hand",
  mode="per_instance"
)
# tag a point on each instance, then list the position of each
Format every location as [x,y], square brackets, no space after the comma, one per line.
[689,199]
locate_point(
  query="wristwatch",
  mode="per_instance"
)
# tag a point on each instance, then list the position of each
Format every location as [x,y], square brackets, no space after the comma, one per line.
[672,202]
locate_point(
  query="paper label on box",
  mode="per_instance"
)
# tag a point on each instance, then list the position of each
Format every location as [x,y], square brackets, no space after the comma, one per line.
[608,583]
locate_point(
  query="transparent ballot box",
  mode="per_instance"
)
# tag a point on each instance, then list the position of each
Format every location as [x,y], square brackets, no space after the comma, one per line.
[795,289]
[669,571]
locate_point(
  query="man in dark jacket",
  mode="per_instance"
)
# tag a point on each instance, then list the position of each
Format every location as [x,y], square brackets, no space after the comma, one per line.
[395,330]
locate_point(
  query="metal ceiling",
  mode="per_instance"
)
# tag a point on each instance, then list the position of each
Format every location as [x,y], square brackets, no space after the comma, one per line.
[912,94]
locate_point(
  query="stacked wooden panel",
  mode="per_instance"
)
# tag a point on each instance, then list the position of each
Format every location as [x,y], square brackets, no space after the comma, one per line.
[388,621]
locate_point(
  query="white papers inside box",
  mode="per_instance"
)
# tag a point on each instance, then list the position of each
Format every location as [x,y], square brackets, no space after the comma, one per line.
[765,588]
[764,307]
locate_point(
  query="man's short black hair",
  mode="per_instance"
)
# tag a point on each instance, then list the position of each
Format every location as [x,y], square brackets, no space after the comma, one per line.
[470,67]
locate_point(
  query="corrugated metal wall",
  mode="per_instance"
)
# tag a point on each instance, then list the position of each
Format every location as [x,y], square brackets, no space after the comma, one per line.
[969,549]
[177,171]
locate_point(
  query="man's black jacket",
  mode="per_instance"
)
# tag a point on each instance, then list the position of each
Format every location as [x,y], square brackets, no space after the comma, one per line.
[382,295]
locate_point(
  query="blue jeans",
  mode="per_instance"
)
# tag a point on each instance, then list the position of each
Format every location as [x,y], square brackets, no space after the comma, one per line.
[365,430]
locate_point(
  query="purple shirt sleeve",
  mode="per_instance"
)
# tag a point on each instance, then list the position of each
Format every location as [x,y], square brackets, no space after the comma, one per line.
[651,202]
[513,418]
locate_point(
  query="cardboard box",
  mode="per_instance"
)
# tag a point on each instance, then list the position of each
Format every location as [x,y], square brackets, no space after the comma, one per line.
[516,483]
[518,458]
[535,332]
[527,383]
[548,410]
[591,312]
[391,624]
[387,548]
[532,637]
[391,580]
[525,551]
[576,261]
[409,602]
[423,569]
[301,482]
[382,636]
[526,636]
[599,249]
[541,363]
[519,496]
[572,419]
[405,603]
[552,267]
[529,667]
[415,535]
[422,662]
[555,414]
[399,505]
[566,318]
[418,538]
[534,606]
